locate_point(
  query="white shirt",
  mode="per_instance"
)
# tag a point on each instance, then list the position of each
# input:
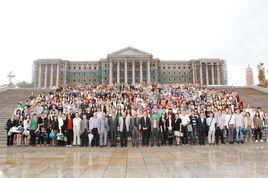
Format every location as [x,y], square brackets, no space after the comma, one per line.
[76,122]
[185,119]
[229,119]
[239,120]
[211,123]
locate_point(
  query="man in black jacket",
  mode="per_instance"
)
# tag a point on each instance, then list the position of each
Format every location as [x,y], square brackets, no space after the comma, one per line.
[202,128]
[145,128]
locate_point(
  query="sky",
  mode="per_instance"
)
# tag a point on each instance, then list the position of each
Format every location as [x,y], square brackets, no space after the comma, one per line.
[234,30]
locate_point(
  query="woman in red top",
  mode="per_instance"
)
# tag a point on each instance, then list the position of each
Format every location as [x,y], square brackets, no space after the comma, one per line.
[69,130]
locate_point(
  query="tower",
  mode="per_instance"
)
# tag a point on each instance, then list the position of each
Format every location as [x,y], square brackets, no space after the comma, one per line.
[249,76]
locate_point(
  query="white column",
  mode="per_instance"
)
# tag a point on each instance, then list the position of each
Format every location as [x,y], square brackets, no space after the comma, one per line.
[125,71]
[207,81]
[118,71]
[193,72]
[133,72]
[218,74]
[148,72]
[141,77]
[51,76]
[201,74]
[111,73]
[102,72]
[65,75]
[45,83]
[40,76]
[58,75]
[212,74]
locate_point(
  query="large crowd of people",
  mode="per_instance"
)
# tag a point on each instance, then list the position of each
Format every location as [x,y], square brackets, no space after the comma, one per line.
[146,115]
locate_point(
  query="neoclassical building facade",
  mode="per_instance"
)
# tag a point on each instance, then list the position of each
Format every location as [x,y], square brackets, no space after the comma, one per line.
[129,65]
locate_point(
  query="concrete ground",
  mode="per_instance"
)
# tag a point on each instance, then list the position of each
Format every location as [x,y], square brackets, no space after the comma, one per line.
[245,160]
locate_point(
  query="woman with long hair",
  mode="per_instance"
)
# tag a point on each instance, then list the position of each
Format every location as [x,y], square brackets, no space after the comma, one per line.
[258,124]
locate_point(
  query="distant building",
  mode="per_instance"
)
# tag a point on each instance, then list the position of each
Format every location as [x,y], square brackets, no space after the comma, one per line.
[249,76]
[129,65]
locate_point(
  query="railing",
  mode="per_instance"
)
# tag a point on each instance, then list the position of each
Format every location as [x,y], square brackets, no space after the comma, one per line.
[3,88]
[261,89]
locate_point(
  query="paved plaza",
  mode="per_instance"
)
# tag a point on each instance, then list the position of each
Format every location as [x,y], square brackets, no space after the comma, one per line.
[247,160]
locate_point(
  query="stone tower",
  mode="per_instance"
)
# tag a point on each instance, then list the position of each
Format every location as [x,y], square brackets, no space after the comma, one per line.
[249,76]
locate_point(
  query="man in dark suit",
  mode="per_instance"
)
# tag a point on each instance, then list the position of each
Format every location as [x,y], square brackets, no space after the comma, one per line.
[145,128]
[202,128]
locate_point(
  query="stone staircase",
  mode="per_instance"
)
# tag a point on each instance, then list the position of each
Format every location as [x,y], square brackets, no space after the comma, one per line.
[8,101]
[253,97]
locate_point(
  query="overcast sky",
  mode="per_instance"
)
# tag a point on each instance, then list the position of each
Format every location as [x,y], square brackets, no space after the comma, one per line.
[234,30]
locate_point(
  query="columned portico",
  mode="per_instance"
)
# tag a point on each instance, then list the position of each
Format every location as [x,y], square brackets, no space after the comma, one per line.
[51,76]
[212,74]
[58,74]
[118,71]
[133,72]
[111,72]
[218,74]
[148,72]
[40,76]
[125,71]
[207,79]
[141,73]
[200,73]
[45,83]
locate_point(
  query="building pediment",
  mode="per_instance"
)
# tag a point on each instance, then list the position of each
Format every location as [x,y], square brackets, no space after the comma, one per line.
[129,52]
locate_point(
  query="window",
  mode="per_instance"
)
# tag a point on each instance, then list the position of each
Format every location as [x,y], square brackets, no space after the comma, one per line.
[85,68]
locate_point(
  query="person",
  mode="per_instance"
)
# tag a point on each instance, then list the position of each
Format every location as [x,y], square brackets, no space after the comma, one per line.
[154,131]
[163,133]
[220,120]
[185,120]
[145,128]
[10,135]
[94,124]
[42,135]
[211,122]
[265,125]
[26,132]
[20,129]
[123,123]
[177,128]
[69,130]
[193,127]
[33,128]
[113,127]
[62,130]
[230,123]
[84,125]
[202,128]
[54,126]
[76,129]
[134,129]
[258,124]
[170,129]
[239,125]
[104,129]
[248,120]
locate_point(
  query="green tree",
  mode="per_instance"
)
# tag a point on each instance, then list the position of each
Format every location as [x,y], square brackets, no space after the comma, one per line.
[25,84]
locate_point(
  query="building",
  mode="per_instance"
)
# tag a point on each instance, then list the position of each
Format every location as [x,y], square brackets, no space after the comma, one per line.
[128,65]
[249,76]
